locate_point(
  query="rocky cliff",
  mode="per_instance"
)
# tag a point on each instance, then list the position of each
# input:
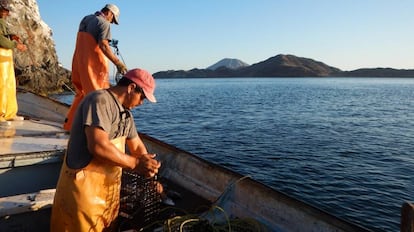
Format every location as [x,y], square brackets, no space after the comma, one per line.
[38,68]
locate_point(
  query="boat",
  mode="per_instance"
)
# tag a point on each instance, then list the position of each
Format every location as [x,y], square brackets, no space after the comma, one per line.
[198,192]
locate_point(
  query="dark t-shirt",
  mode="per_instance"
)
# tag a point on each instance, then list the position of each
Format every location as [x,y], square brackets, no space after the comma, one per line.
[98,109]
[97,26]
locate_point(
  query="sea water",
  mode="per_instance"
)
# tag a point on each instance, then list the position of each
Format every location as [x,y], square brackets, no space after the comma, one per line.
[344,145]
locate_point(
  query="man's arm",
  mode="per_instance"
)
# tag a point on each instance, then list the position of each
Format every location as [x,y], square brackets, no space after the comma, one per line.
[106,49]
[101,147]
[147,164]
[136,146]
[7,43]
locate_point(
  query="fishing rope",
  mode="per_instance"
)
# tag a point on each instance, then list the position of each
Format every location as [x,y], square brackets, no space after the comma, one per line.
[190,222]
[187,221]
[178,223]
[70,89]
[225,215]
[229,187]
[114,43]
[30,38]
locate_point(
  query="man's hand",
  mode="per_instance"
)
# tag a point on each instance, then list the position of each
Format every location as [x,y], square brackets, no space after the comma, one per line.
[147,165]
[121,68]
[21,47]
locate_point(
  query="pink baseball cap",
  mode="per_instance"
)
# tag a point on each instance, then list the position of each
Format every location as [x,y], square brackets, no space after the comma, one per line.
[144,80]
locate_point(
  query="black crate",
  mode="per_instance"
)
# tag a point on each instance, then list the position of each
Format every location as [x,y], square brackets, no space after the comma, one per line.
[140,201]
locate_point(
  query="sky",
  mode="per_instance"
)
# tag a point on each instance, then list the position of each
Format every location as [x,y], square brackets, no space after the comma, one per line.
[161,35]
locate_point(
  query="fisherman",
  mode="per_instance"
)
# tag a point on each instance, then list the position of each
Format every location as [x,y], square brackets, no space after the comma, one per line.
[90,68]
[87,193]
[8,99]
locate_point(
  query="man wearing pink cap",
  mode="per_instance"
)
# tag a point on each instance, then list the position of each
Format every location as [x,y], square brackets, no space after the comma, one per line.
[90,66]
[87,193]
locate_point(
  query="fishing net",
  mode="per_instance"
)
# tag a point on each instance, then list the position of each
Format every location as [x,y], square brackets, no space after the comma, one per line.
[198,224]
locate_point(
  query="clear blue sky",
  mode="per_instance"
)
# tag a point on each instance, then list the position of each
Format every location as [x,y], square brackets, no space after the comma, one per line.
[160,35]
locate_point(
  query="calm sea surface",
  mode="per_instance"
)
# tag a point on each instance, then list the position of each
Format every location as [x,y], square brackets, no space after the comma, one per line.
[345,145]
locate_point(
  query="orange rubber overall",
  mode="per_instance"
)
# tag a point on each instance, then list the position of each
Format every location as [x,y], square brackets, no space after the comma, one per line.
[90,71]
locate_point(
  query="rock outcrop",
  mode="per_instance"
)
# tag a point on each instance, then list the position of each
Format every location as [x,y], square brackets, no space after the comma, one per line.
[37,69]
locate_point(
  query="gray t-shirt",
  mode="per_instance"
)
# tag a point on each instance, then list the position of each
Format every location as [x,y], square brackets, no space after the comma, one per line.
[97,26]
[99,109]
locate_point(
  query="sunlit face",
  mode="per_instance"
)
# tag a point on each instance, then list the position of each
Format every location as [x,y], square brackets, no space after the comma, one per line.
[111,17]
[136,96]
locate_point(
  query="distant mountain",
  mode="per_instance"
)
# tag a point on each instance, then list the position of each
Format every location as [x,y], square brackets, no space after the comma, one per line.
[228,63]
[377,72]
[288,66]
[283,66]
